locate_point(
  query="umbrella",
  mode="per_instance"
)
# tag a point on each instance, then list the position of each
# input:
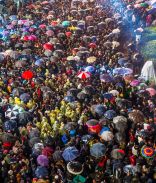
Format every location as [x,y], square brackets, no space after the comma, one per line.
[58,53]
[70,153]
[84,75]
[108,96]
[37,149]
[89,18]
[93,126]
[136,116]
[72,91]
[69,98]
[90,69]
[45,89]
[89,90]
[98,150]
[122,71]
[42,160]
[7,137]
[135,82]
[69,126]
[32,38]
[41,172]
[39,62]
[34,140]
[24,118]
[98,109]
[106,78]
[110,114]
[118,119]
[75,168]
[86,138]
[106,135]
[10,125]
[48,46]
[151,91]
[49,33]
[25,97]
[114,93]
[82,95]
[91,59]
[13,111]
[34,132]
[117,154]
[66,23]
[17,91]
[21,63]
[147,152]
[47,151]
[123,103]
[57,155]
[27,75]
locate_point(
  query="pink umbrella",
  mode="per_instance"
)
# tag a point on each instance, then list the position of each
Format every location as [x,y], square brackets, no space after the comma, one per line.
[42,26]
[135,82]
[151,91]
[42,160]
[84,75]
[49,33]
[32,38]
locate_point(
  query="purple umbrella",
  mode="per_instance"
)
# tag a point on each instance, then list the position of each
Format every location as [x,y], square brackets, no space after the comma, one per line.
[106,78]
[42,160]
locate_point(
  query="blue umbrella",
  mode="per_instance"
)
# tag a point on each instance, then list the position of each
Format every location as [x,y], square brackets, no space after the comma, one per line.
[41,172]
[65,23]
[69,98]
[122,71]
[110,114]
[39,62]
[70,153]
[99,109]
[25,97]
[10,125]
[122,61]
[90,69]
[104,129]
[98,150]
[108,96]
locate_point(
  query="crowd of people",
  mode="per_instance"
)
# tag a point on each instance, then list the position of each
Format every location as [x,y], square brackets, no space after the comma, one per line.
[73,107]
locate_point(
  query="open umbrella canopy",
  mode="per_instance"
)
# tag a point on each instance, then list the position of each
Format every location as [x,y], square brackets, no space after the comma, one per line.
[83,75]
[42,160]
[117,154]
[106,135]
[110,114]
[10,125]
[122,71]
[13,111]
[24,118]
[37,149]
[151,91]
[98,150]
[75,168]
[41,172]
[25,97]
[69,98]
[106,78]
[27,75]
[147,152]
[90,69]
[136,116]
[98,109]
[17,91]
[70,153]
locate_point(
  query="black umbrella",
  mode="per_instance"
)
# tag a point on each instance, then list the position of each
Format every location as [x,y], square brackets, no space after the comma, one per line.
[24,118]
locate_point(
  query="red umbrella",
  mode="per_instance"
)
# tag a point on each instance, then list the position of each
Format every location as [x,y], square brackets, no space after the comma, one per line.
[49,33]
[84,75]
[48,46]
[151,91]
[42,26]
[54,23]
[92,45]
[68,34]
[27,75]
[32,38]
[25,38]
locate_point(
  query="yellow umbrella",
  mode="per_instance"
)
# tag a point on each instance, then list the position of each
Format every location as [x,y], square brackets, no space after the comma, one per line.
[91,59]
[69,58]
[72,28]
